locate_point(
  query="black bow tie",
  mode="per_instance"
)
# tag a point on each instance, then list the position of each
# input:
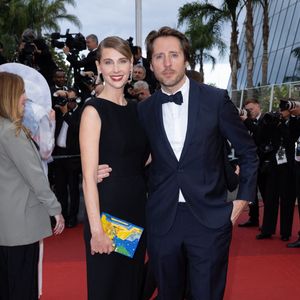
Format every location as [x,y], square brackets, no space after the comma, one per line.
[176,98]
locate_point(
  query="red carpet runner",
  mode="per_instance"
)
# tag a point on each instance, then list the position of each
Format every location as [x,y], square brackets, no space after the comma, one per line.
[258,270]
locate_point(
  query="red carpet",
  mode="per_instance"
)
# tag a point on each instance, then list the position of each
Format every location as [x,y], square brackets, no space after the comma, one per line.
[258,270]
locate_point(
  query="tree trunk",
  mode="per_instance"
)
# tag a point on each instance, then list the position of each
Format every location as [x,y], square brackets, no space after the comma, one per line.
[201,69]
[234,58]
[265,57]
[249,47]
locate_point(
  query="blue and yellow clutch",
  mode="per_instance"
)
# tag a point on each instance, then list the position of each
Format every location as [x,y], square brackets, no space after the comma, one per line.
[125,235]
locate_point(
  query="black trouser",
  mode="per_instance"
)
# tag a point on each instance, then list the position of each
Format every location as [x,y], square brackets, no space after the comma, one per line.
[297,183]
[279,189]
[67,171]
[19,272]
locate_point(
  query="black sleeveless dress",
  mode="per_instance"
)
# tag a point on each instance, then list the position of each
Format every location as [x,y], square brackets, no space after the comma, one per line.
[123,145]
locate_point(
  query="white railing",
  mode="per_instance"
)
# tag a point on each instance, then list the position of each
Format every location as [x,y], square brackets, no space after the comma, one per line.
[268,95]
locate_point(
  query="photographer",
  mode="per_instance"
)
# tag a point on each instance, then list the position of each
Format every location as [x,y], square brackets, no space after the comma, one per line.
[87,63]
[294,110]
[251,115]
[67,166]
[277,149]
[35,53]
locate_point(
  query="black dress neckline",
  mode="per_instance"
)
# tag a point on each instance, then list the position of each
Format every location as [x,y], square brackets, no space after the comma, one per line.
[106,100]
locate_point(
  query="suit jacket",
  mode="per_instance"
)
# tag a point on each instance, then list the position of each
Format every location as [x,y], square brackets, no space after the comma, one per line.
[26,200]
[199,173]
[88,63]
[72,118]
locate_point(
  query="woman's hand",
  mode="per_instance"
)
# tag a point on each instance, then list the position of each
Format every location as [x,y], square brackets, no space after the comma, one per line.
[60,224]
[101,243]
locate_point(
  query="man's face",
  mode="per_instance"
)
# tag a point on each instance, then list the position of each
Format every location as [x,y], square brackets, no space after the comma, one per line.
[91,44]
[137,55]
[142,94]
[168,63]
[138,74]
[60,78]
[253,109]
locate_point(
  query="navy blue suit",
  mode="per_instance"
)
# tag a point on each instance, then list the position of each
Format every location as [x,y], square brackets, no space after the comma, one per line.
[199,174]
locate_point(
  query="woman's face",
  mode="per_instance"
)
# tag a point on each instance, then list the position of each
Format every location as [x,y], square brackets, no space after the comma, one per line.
[22,101]
[115,68]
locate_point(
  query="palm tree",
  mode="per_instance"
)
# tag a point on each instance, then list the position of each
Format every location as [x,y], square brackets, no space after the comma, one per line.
[203,38]
[17,15]
[45,14]
[265,34]
[228,11]
[249,46]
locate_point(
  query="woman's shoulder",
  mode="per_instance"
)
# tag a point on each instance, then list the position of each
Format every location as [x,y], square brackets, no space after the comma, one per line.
[6,126]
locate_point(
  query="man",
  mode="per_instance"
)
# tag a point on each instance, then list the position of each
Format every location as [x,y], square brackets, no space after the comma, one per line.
[59,83]
[34,52]
[296,112]
[252,121]
[189,220]
[88,63]
[141,90]
[276,173]
[67,167]
[138,59]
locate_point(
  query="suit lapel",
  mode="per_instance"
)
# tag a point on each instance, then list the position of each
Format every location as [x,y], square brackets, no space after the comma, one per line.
[192,116]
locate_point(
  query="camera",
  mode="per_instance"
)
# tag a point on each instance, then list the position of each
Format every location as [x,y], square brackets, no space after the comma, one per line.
[87,78]
[271,118]
[74,41]
[58,100]
[288,104]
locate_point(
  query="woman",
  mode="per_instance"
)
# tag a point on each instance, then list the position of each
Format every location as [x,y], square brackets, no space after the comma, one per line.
[110,133]
[26,200]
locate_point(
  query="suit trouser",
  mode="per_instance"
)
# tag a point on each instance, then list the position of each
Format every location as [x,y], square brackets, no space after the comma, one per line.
[67,171]
[19,272]
[190,251]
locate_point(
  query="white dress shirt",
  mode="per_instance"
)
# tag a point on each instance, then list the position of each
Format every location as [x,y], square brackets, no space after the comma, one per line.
[175,119]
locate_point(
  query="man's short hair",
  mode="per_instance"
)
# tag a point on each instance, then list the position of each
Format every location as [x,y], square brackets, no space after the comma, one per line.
[141,84]
[166,32]
[92,37]
[252,100]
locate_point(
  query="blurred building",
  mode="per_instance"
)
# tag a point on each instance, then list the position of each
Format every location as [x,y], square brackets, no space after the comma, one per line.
[284,37]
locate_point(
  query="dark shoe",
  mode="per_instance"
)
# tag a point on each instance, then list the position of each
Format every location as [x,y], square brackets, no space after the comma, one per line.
[263,236]
[295,244]
[285,238]
[249,223]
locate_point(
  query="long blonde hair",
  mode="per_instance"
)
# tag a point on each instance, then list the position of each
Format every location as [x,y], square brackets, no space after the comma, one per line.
[11,89]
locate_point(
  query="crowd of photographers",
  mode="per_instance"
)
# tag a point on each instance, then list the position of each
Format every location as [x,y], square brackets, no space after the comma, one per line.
[277,137]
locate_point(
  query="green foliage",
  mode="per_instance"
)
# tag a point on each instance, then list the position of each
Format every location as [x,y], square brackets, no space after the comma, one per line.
[204,34]
[41,15]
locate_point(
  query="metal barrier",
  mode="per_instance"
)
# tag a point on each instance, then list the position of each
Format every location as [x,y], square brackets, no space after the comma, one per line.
[268,95]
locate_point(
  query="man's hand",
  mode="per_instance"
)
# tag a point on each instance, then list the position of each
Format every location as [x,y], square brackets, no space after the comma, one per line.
[66,50]
[238,207]
[103,172]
